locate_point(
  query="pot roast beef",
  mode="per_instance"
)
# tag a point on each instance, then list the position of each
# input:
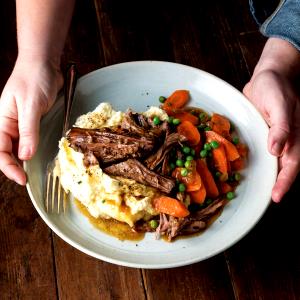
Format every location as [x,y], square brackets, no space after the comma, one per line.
[135,170]
[109,145]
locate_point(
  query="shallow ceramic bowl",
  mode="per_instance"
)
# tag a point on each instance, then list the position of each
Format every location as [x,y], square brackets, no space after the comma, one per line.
[138,85]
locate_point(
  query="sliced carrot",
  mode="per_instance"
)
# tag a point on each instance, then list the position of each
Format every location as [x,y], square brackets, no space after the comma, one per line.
[230,148]
[190,131]
[225,187]
[220,125]
[186,116]
[220,159]
[238,164]
[242,149]
[207,179]
[170,206]
[176,100]
[192,181]
[198,196]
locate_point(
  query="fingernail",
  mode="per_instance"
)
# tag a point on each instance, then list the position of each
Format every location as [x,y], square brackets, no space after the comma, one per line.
[276,149]
[25,153]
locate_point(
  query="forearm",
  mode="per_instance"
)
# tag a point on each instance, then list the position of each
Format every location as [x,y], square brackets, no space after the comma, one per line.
[279,56]
[42,27]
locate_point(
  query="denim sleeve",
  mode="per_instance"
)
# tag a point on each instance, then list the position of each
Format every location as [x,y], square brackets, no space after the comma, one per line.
[283,23]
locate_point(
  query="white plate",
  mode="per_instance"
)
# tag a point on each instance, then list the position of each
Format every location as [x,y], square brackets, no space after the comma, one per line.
[138,85]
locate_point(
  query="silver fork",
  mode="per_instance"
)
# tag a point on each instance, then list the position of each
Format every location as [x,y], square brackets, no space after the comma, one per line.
[54,191]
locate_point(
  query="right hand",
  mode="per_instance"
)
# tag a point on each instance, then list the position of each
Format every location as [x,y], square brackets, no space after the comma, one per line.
[28,94]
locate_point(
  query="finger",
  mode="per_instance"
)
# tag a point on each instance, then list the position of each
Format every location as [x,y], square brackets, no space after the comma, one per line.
[290,162]
[280,118]
[8,165]
[29,123]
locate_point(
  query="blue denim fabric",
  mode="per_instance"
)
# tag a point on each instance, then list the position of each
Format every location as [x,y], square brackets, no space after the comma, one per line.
[283,22]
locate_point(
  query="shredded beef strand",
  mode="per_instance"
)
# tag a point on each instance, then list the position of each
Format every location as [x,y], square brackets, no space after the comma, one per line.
[135,170]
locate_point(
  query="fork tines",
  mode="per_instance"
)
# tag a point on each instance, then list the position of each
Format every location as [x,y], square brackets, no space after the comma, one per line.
[55,197]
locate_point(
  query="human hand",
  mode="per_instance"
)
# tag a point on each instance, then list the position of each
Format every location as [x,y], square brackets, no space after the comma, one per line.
[28,94]
[271,91]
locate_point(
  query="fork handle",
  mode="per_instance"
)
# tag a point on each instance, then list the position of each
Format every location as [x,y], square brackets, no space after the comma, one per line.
[71,79]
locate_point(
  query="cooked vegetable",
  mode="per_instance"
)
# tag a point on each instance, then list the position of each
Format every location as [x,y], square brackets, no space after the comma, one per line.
[230,195]
[153,224]
[156,120]
[214,144]
[199,195]
[207,128]
[179,163]
[186,116]
[186,150]
[242,150]
[225,187]
[231,151]
[176,121]
[189,158]
[184,172]
[235,140]
[203,153]
[192,181]
[207,179]
[237,176]
[177,100]
[220,159]
[220,125]
[238,164]
[207,147]
[188,164]
[170,206]
[162,99]
[202,116]
[181,187]
[190,131]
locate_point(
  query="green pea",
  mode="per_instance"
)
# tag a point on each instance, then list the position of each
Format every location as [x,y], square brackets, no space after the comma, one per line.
[172,166]
[208,201]
[207,147]
[188,164]
[232,127]
[184,172]
[236,140]
[170,120]
[201,126]
[176,121]
[179,163]
[202,116]
[237,176]
[181,187]
[207,128]
[203,153]
[218,174]
[189,158]
[186,150]
[214,144]
[193,152]
[156,120]
[230,195]
[162,99]
[153,224]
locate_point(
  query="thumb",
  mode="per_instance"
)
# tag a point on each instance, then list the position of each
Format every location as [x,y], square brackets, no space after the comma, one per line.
[280,116]
[29,114]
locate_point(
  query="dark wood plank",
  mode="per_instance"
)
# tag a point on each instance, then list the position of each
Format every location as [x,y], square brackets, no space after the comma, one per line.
[84,277]
[206,280]
[26,259]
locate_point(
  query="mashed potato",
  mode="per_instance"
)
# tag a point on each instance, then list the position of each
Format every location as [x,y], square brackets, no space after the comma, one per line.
[122,199]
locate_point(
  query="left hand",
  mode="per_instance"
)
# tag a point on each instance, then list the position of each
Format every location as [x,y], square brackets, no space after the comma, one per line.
[272,93]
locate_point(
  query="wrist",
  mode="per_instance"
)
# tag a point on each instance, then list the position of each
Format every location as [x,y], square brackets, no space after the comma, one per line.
[36,57]
[279,56]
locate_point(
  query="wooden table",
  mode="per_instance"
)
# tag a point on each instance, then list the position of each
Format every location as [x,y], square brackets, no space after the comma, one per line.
[217,36]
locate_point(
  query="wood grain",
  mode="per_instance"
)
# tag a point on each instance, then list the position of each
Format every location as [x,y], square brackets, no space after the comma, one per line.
[26,260]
